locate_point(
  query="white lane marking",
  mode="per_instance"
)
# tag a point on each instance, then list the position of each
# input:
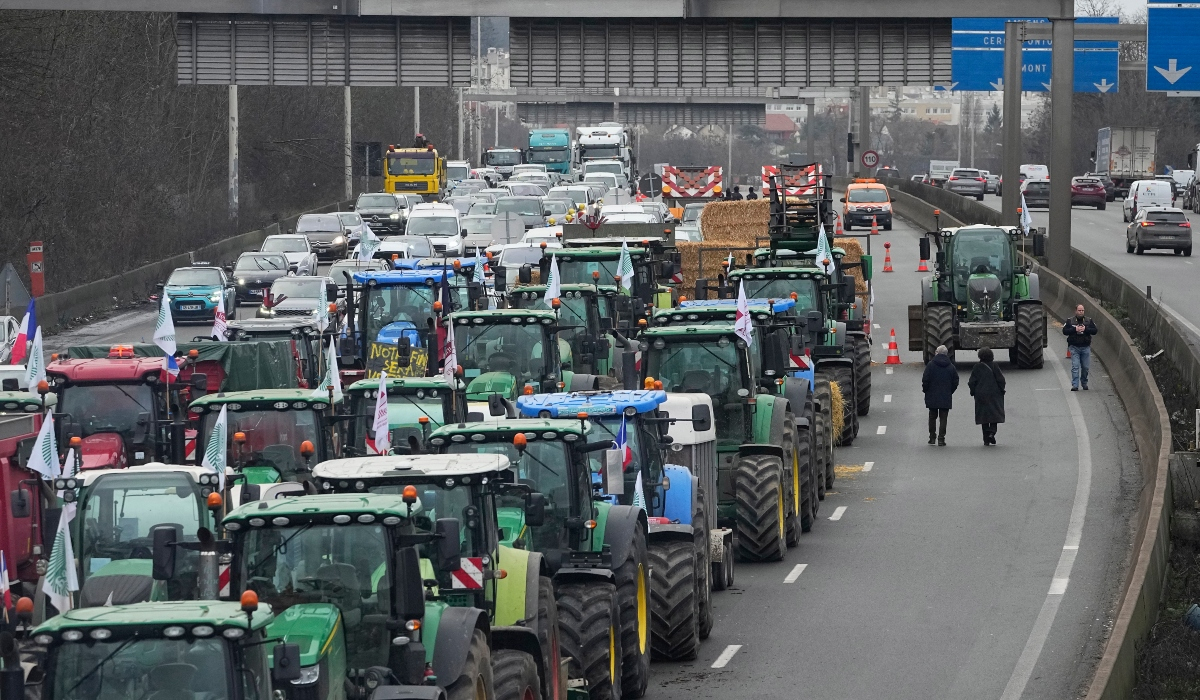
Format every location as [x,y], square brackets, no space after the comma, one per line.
[887,398]
[881,430]
[837,513]
[726,655]
[795,573]
[868,466]
[1189,263]
[877,325]
[1062,573]
[888,370]
[1053,388]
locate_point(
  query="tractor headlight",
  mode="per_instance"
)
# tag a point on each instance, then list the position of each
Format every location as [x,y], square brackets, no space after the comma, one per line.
[308,675]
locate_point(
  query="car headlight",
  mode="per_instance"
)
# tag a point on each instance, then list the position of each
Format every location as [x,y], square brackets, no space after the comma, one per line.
[242,280]
[339,240]
[308,675]
[887,207]
[394,216]
[215,296]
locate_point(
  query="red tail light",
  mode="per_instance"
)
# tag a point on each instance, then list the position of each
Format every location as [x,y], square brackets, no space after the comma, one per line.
[1186,224]
[981,179]
[952,178]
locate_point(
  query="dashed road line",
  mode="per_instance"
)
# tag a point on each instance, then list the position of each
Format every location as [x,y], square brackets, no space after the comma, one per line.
[726,655]
[795,573]
[877,325]
[887,398]
[868,466]
[887,370]
[837,513]
[881,430]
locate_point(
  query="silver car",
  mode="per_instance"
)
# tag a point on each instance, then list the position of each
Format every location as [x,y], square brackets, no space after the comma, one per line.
[968,182]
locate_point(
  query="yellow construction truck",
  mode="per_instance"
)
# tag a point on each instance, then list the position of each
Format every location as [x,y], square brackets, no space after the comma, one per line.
[415,171]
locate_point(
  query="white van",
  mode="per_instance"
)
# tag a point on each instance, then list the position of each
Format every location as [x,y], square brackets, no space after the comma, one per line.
[1146,193]
[1035,172]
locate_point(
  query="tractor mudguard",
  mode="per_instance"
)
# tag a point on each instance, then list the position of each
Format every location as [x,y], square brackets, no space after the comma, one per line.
[679,501]
[408,692]
[572,575]
[928,293]
[454,632]
[797,390]
[1034,286]
[618,532]
[769,413]
[760,449]
[583,382]
[671,532]
[512,591]
[524,639]
[533,571]
[827,361]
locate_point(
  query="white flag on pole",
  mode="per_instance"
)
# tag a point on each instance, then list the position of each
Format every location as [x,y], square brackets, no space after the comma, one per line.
[450,358]
[61,577]
[43,458]
[824,257]
[553,287]
[215,448]
[220,331]
[368,245]
[743,326]
[164,334]
[625,267]
[323,309]
[380,429]
[331,378]
[35,367]
[639,496]
[1026,219]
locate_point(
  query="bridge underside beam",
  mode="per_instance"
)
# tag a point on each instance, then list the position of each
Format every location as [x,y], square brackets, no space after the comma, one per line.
[697,114]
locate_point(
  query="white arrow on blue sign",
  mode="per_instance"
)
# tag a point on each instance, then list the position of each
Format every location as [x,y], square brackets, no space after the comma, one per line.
[977,57]
[1172,54]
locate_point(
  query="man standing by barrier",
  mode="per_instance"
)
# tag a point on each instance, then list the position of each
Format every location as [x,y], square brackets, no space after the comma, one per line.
[1079,331]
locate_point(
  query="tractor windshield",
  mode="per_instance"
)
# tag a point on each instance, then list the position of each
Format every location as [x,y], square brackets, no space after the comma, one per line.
[345,565]
[712,366]
[119,513]
[572,319]
[126,409]
[147,668]
[984,251]
[807,294]
[273,437]
[638,459]
[410,306]
[577,271]
[406,408]
[518,349]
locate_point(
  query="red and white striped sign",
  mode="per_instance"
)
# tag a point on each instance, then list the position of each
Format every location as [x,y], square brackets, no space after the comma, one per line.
[223,581]
[797,180]
[684,181]
[470,575]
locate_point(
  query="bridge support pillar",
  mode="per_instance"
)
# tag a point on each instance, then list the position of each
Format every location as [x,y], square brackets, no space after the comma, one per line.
[1011,168]
[233,153]
[1062,94]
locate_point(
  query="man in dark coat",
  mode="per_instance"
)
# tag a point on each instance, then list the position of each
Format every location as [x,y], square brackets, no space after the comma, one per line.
[939,383]
[987,386]
[1079,330]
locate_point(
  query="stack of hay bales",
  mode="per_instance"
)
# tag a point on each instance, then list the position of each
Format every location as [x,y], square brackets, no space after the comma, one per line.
[727,226]
[854,253]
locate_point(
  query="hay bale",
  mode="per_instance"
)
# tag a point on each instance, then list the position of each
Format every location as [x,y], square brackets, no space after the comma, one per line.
[854,253]
[713,255]
[837,409]
[735,223]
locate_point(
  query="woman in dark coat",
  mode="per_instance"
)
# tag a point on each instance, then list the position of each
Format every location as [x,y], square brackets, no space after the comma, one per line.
[987,386]
[939,383]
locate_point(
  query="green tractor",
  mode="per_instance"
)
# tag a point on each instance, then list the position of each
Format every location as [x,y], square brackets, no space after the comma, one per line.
[416,405]
[490,587]
[758,450]
[979,296]
[585,312]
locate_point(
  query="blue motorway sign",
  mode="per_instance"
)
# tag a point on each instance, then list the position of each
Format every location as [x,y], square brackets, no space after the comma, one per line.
[1172,54]
[977,58]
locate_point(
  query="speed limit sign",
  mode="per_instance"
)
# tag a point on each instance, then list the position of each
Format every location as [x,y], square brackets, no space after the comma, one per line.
[870,159]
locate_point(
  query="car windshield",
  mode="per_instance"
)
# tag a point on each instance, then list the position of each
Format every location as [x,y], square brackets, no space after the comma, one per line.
[192,276]
[525,189]
[414,247]
[478,223]
[599,152]
[121,509]
[376,201]
[780,288]
[265,263]
[579,196]
[1166,216]
[273,437]
[345,565]
[556,207]
[152,667]
[109,408]
[411,165]
[484,208]
[457,172]
[285,245]
[517,349]
[860,195]
[704,366]
[549,155]
[432,226]
[297,288]
[1085,181]
[1037,187]
[502,157]
[519,205]
[318,222]
[349,218]
[691,214]
[614,168]
[602,178]
[965,173]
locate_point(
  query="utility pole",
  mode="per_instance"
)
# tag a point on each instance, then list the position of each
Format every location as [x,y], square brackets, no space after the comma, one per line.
[811,104]
[958,153]
[1011,170]
[233,153]
[864,125]
[460,124]
[729,134]
[496,134]
[972,103]
[416,110]
[349,156]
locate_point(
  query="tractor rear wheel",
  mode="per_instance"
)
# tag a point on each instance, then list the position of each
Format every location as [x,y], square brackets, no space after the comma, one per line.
[633,598]
[938,330]
[1030,319]
[589,626]
[808,500]
[675,607]
[791,477]
[704,578]
[761,508]
[823,455]
[516,675]
[547,631]
[844,376]
[475,681]
[862,373]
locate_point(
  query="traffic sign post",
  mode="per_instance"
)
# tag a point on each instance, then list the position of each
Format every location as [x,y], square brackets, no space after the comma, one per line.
[977,58]
[1172,54]
[37,269]
[870,159]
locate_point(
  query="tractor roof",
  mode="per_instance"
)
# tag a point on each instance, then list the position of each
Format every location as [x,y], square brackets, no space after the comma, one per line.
[402,384]
[598,404]
[541,288]
[22,401]
[544,316]
[755,305]
[122,618]
[786,272]
[405,278]
[89,476]
[697,312]
[691,330]
[533,428]
[594,253]
[258,399]
[280,512]
[109,369]
[381,466]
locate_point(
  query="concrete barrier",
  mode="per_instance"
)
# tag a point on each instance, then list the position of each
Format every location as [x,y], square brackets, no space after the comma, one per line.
[102,296]
[1116,672]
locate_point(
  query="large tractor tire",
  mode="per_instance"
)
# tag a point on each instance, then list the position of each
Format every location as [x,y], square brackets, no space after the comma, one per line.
[547,631]
[633,598]
[807,480]
[823,456]
[761,508]
[938,329]
[1031,324]
[862,374]
[791,477]
[475,681]
[675,607]
[844,376]
[704,581]
[516,675]
[589,625]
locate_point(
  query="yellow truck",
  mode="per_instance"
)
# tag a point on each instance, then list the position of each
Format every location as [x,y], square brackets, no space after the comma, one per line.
[415,171]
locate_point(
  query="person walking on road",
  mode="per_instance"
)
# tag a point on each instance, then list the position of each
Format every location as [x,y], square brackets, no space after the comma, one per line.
[939,383]
[987,386]
[1079,330]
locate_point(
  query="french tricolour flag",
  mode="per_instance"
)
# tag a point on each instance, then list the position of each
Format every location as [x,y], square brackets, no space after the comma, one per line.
[28,330]
[622,443]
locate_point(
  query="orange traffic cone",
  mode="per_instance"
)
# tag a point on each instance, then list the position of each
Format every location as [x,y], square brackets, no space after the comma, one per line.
[887,258]
[839,227]
[893,356]
[922,267]
[874,226]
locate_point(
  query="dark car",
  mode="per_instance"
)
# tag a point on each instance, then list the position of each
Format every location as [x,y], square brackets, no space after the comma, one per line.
[888,173]
[384,212]
[325,234]
[1110,187]
[255,272]
[1088,192]
[1036,193]
[1159,227]
[528,208]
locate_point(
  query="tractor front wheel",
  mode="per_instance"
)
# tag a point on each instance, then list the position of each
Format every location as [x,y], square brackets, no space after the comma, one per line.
[704,577]
[862,373]
[761,508]
[938,330]
[589,626]
[792,477]
[675,607]
[475,681]
[1030,320]
[823,459]
[516,675]
[633,598]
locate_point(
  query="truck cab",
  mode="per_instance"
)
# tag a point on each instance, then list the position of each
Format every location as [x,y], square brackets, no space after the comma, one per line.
[502,160]
[420,171]
[551,148]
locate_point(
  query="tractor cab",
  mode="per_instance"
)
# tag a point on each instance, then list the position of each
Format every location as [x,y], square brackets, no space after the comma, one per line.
[584,312]
[505,352]
[25,531]
[416,406]
[397,326]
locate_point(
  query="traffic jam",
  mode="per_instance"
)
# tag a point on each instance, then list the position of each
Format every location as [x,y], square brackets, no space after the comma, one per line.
[505,430]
